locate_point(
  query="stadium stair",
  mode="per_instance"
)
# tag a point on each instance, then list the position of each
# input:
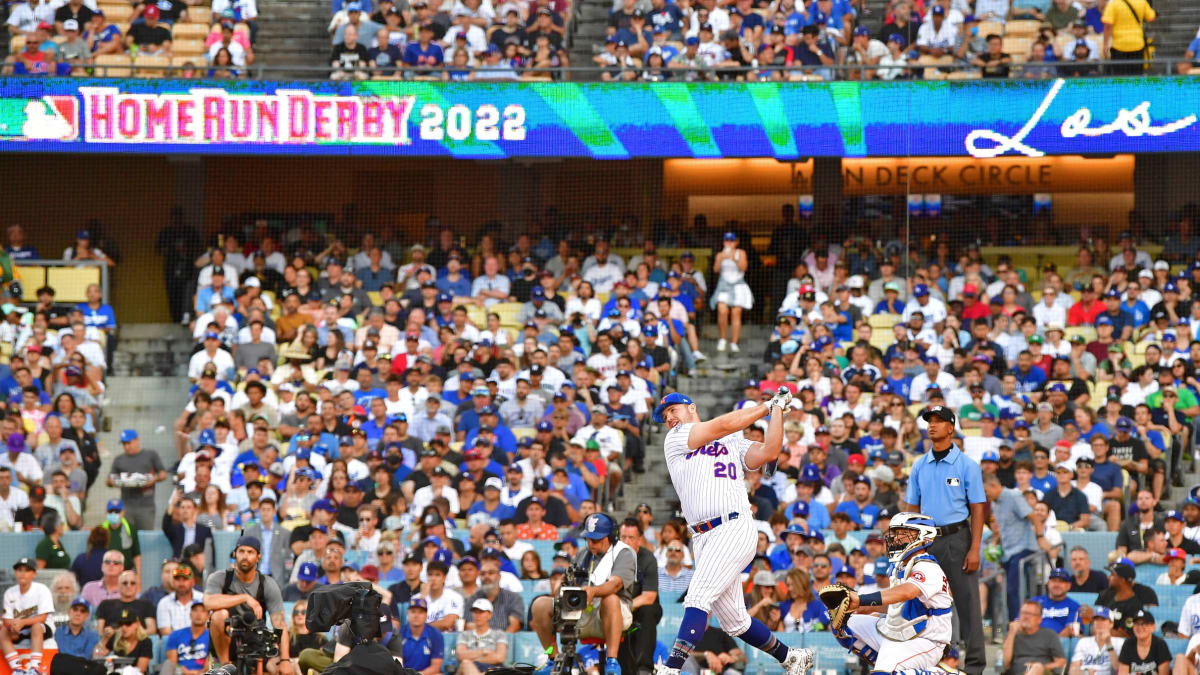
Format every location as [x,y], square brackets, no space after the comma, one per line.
[292,33]
[147,389]
[1174,29]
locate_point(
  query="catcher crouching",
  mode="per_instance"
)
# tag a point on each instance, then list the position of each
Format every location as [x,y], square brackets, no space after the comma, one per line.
[906,626]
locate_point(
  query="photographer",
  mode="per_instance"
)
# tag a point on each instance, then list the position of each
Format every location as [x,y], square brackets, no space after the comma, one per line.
[232,591]
[611,569]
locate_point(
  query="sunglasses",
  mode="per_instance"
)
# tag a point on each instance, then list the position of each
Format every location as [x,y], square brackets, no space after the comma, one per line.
[674,550]
[820,565]
[129,583]
[114,562]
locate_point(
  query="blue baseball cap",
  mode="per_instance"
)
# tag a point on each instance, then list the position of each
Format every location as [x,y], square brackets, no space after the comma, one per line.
[862,30]
[446,297]
[1170,287]
[1057,387]
[989,456]
[432,539]
[1020,424]
[325,505]
[308,572]
[810,474]
[80,602]
[674,398]
[130,434]
[1124,424]
[877,453]
[1101,613]
[443,556]
[816,534]
[1008,414]
[730,236]
[881,565]
[418,603]
[819,17]
[921,290]
[1173,514]
[800,510]
[206,437]
[1103,320]
[545,426]
[938,10]
[795,528]
[1060,573]
[692,41]
[821,343]
[115,505]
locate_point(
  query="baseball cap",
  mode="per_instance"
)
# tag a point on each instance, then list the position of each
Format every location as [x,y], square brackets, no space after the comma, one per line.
[667,401]
[151,12]
[115,505]
[939,411]
[80,602]
[1123,570]
[1124,424]
[1060,573]
[308,572]
[1101,613]
[1143,616]
[128,435]
[1175,554]
[418,603]
[989,456]
[482,604]
[25,562]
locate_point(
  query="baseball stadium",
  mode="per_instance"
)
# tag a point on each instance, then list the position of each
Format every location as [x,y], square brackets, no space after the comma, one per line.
[619,337]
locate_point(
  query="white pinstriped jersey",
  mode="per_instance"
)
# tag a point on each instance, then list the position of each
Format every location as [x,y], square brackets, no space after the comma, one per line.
[709,480]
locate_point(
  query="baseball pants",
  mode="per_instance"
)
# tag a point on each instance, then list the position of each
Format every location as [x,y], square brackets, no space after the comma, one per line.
[950,552]
[716,587]
[916,654]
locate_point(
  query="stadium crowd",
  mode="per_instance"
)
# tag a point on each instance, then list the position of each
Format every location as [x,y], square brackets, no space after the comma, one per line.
[646,40]
[439,420]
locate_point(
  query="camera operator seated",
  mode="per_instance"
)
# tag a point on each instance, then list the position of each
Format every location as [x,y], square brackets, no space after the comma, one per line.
[244,590]
[419,644]
[611,569]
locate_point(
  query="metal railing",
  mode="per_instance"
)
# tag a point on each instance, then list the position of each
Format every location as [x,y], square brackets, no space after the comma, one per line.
[638,73]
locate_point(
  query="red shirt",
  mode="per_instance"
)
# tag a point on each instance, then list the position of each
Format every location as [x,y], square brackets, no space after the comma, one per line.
[1081,314]
[977,310]
[546,532]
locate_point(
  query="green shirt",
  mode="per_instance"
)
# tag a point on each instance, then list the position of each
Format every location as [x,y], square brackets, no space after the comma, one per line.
[124,540]
[53,554]
[974,414]
[1186,399]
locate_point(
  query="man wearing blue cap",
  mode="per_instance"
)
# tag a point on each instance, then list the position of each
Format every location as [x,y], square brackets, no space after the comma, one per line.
[137,471]
[76,638]
[187,648]
[1059,613]
[244,589]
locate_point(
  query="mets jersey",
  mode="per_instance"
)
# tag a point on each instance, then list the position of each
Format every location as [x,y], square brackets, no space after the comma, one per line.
[710,479]
[928,614]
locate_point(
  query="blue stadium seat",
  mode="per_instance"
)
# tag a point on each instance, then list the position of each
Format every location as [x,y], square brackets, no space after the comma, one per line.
[672,617]
[75,542]
[1177,645]
[525,648]
[450,664]
[17,545]
[545,551]
[155,550]
[1147,574]
[223,547]
[1097,544]
[1068,644]
[829,655]
[1083,598]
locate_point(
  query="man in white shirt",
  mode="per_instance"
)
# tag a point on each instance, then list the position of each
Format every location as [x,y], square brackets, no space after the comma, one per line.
[1049,311]
[11,499]
[931,308]
[174,610]
[490,287]
[933,375]
[938,36]
[476,43]
[445,605]
[24,467]
[605,271]
[214,354]
[27,608]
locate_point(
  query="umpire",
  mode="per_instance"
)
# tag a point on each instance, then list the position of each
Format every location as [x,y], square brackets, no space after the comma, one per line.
[947,486]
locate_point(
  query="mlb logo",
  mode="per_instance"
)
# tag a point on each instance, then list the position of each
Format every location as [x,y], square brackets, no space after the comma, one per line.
[51,118]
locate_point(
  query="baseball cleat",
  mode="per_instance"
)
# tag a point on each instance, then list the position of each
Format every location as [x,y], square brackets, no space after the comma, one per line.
[798,662]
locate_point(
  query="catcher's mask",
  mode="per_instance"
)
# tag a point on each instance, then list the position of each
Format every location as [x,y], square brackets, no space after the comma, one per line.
[901,545]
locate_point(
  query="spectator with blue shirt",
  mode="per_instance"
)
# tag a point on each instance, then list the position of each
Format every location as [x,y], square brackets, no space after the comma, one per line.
[1059,613]
[187,649]
[491,505]
[76,638]
[947,486]
[668,17]
[420,645]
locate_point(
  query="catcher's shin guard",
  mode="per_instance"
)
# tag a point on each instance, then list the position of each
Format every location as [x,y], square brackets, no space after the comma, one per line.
[847,639]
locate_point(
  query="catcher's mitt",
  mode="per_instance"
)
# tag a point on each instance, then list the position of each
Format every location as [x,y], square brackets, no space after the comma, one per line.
[836,597]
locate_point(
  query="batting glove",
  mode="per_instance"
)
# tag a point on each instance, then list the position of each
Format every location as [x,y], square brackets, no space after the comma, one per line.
[782,399]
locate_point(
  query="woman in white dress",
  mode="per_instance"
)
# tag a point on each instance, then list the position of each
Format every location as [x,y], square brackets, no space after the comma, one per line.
[732,294]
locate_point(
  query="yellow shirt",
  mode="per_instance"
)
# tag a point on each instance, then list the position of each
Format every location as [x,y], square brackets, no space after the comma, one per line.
[1126,26]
